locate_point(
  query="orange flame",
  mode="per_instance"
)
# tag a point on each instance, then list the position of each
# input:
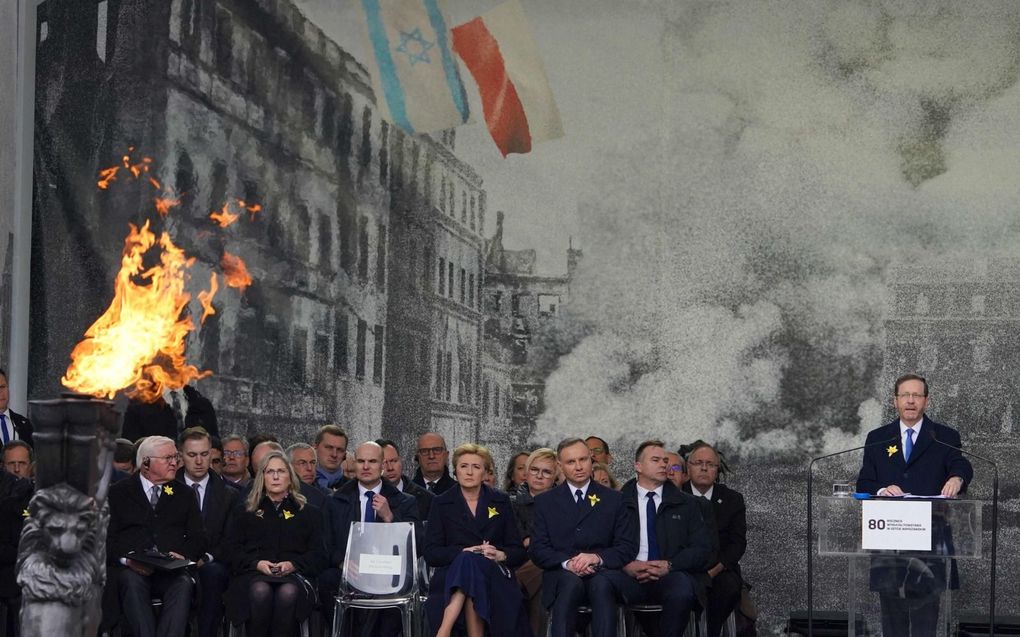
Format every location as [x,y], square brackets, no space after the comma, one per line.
[235,272]
[139,341]
[224,217]
[205,298]
[251,208]
[164,204]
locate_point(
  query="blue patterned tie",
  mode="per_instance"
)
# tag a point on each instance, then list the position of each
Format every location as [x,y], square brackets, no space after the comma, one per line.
[3,425]
[653,539]
[909,446]
[369,511]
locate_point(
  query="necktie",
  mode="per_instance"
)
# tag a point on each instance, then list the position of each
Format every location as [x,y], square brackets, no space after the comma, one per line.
[909,446]
[431,486]
[197,488]
[3,425]
[154,498]
[653,539]
[579,495]
[369,511]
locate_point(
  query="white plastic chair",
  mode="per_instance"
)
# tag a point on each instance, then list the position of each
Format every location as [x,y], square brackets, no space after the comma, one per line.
[380,571]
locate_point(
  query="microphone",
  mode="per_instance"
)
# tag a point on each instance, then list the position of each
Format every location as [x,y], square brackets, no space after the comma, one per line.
[995,523]
[810,523]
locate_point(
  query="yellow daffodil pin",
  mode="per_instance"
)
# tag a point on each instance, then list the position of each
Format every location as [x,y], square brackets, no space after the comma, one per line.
[168,490]
[24,513]
[893,449]
[493,512]
[594,499]
[287,514]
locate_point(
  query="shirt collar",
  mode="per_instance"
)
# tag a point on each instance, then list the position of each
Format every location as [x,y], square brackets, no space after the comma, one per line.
[643,492]
[362,490]
[584,488]
[204,482]
[146,485]
[706,494]
[916,428]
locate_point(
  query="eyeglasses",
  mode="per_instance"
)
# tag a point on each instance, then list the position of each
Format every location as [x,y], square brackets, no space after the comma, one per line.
[913,395]
[276,473]
[535,471]
[431,451]
[676,467]
[234,454]
[596,449]
[167,459]
[698,464]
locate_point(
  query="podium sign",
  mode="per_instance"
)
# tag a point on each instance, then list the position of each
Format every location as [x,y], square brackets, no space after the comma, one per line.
[902,525]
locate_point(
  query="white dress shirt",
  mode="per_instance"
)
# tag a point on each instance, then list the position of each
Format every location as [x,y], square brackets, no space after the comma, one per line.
[642,498]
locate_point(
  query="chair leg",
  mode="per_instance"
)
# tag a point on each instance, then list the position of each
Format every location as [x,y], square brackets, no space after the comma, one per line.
[339,612]
[406,619]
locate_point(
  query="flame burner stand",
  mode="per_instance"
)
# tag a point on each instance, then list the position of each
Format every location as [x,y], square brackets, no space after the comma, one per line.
[62,554]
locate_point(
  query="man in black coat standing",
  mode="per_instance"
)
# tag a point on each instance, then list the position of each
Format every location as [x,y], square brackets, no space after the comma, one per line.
[216,502]
[731,531]
[152,510]
[674,543]
[13,426]
[433,472]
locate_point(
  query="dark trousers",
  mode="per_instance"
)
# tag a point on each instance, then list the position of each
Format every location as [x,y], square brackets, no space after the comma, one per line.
[911,617]
[136,594]
[213,579]
[378,623]
[723,598]
[675,593]
[564,592]
[12,620]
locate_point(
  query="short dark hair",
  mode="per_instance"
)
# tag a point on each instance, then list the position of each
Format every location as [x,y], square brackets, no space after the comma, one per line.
[3,372]
[386,442]
[569,442]
[644,445]
[332,430]
[605,445]
[193,433]
[904,378]
[216,443]
[14,444]
[124,451]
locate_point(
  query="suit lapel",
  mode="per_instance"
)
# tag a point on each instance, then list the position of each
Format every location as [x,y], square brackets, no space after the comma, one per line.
[590,501]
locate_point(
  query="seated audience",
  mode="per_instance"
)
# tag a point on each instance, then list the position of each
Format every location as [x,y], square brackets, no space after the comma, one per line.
[599,450]
[216,455]
[473,543]
[432,456]
[312,493]
[674,546]
[216,501]
[393,472]
[516,472]
[580,531]
[367,498]
[19,459]
[235,461]
[541,471]
[124,456]
[730,522]
[490,475]
[276,547]
[601,474]
[302,458]
[330,452]
[151,509]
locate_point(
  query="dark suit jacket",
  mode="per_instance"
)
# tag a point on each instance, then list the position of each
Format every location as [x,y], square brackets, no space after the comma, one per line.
[560,529]
[684,538]
[22,427]
[175,524]
[217,506]
[421,495]
[149,419]
[15,494]
[442,485]
[730,515]
[451,527]
[346,506]
[200,411]
[931,463]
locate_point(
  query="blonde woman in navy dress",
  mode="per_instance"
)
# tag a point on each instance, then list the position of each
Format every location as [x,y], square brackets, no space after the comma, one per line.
[473,542]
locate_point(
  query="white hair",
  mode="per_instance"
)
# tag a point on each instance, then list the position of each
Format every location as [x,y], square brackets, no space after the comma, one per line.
[149,445]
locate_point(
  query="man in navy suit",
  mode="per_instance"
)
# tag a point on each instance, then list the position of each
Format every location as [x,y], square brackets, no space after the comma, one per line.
[216,501]
[352,503]
[581,531]
[922,457]
[13,426]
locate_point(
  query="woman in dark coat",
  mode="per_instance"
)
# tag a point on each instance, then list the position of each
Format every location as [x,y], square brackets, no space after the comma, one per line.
[277,547]
[472,541]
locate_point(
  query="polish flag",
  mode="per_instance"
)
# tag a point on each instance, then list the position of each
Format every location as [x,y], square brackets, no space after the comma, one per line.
[498,49]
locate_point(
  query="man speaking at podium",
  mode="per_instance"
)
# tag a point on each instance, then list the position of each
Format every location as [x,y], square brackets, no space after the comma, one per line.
[922,457]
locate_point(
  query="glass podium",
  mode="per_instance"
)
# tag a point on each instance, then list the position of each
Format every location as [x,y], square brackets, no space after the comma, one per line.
[913,560]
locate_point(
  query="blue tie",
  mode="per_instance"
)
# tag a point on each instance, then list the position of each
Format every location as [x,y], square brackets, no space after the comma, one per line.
[369,511]
[653,539]
[580,497]
[909,446]
[3,425]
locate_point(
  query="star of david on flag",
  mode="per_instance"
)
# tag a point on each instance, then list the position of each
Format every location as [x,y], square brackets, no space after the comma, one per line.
[414,72]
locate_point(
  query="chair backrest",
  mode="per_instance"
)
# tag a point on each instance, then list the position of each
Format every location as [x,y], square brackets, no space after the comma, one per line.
[381,560]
